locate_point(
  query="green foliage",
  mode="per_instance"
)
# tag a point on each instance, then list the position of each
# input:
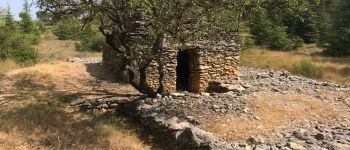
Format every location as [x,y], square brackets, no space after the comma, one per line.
[9,21]
[70,28]
[246,42]
[40,26]
[339,37]
[26,23]
[300,18]
[90,40]
[67,28]
[298,42]
[278,39]
[94,43]
[15,45]
[45,17]
[2,16]
[265,33]
[308,69]
[261,27]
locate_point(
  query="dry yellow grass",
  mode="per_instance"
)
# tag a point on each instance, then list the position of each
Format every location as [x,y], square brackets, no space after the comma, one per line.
[7,65]
[52,49]
[33,114]
[334,69]
[277,112]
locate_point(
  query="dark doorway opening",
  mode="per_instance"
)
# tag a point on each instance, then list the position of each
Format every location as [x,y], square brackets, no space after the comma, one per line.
[183,71]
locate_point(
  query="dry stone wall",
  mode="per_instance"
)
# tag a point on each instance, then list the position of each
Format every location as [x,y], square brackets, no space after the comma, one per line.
[169,71]
[207,62]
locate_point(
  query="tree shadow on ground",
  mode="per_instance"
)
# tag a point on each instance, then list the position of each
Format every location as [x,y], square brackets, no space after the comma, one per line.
[38,112]
[100,72]
[47,124]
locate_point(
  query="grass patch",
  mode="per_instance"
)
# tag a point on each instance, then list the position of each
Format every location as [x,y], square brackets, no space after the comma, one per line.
[34,115]
[49,125]
[329,69]
[6,66]
[52,49]
[307,69]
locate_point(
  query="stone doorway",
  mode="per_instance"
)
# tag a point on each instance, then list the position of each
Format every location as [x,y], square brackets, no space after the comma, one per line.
[183,71]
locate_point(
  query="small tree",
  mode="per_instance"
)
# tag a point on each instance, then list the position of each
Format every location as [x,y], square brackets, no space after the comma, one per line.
[266,33]
[340,37]
[15,46]
[261,27]
[278,39]
[9,21]
[67,28]
[26,23]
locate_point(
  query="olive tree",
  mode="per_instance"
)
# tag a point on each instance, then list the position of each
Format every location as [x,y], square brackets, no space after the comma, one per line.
[138,29]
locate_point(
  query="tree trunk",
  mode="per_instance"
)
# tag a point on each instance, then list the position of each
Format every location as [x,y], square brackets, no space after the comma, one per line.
[160,46]
[136,76]
[130,69]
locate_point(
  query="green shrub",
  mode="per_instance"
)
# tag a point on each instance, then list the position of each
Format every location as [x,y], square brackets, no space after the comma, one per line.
[339,38]
[308,69]
[33,38]
[266,33]
[67,28]
[93,43]
[278,39]
[90,40]
[247,42]
[298,42]
[261,27]
[16,46]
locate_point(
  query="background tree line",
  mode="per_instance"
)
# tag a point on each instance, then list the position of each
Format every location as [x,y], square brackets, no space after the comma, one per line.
[287,24]
[136,29]
[17,37]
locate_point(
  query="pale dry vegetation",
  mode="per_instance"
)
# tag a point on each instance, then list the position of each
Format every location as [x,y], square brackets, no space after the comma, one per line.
[34,115]
[322,68]
[53,49]
[7,65]
[276,113]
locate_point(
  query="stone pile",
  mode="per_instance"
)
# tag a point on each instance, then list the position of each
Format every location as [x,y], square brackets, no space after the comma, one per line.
[89,60]
[320,137]
[195,108]
[99,105]
[259,80]
[174,117]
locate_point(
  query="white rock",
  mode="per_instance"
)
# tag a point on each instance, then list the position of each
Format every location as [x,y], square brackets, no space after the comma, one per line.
[295,146]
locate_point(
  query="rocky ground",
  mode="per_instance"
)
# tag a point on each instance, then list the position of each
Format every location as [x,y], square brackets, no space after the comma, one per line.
[264,109]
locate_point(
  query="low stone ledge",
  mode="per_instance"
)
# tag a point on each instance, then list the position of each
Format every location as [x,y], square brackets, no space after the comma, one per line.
[176,134]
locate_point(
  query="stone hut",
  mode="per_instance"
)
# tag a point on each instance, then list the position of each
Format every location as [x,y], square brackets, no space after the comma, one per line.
[192,67]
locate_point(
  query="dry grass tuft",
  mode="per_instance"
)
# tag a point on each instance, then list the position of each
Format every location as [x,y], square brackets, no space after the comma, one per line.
[7,65]
[322,68]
